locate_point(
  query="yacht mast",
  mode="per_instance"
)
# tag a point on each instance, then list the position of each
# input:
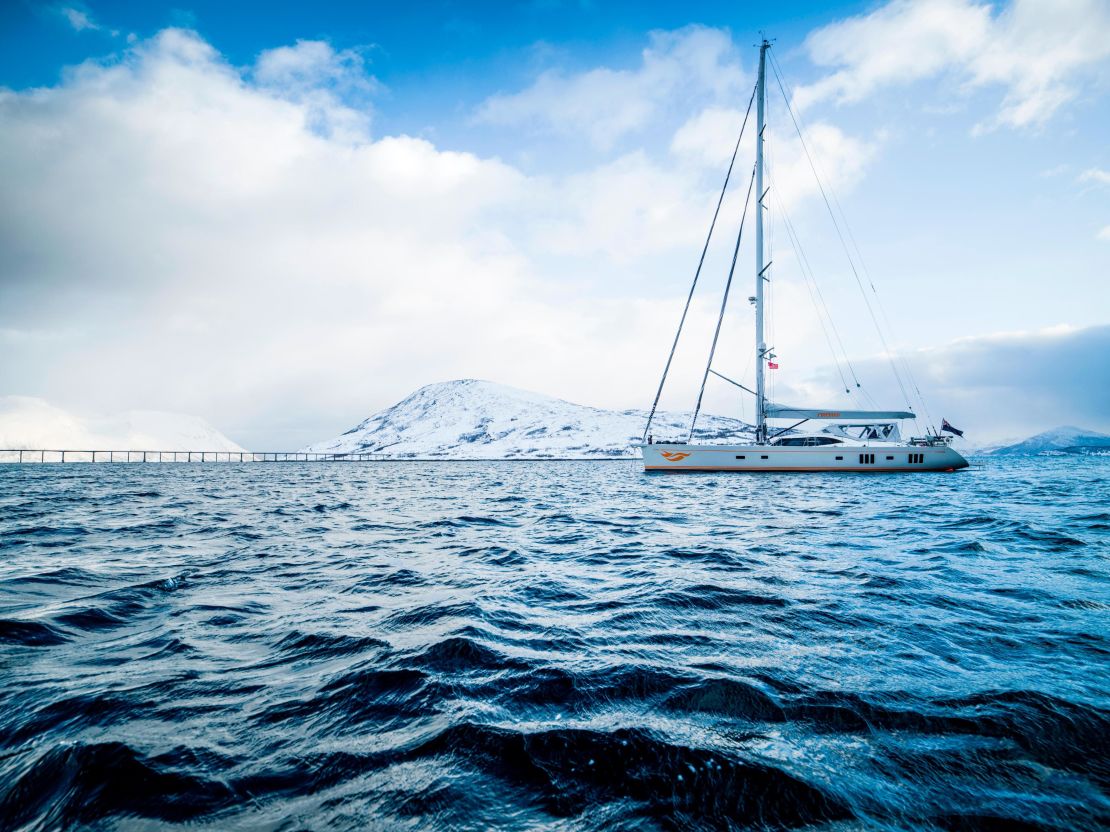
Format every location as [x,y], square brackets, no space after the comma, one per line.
[760,344]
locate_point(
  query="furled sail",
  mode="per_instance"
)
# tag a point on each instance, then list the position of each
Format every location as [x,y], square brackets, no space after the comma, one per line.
[780,411]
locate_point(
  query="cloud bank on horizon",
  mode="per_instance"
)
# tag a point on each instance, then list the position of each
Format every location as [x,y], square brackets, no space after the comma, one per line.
[183,233]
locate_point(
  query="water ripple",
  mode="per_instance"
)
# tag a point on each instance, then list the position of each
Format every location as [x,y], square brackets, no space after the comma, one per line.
[553,646]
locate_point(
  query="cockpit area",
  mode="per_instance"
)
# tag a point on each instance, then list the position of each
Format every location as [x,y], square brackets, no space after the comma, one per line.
[878,431]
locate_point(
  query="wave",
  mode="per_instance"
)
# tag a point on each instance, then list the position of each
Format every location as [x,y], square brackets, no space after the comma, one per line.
[572,771]
[553,646]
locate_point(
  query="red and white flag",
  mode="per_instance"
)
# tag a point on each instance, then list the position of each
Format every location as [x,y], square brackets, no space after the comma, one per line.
[771,365]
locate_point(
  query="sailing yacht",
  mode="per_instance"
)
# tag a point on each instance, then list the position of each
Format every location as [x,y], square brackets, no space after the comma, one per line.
[851,441]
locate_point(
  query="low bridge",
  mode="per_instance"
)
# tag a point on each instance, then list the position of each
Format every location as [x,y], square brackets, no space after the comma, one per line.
[41,455]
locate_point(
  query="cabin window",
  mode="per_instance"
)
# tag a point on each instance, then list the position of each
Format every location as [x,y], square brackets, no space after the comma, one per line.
[806,441]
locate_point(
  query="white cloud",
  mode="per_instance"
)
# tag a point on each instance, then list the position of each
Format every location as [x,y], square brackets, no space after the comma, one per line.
[332,85]
[1040,53]
[677,69]
[1099,177]
[79,19]
[899,42]
[205,248]
[184,235]
[1009,384]
[1096,175]
[31,423]
[625,209]
[708,138]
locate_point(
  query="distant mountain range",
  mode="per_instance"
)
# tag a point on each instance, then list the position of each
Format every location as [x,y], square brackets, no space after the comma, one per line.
[464,419]
[471,419]
[1061,440]
[30,423]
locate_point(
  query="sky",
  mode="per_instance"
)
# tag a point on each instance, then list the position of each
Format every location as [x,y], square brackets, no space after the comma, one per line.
[283,217]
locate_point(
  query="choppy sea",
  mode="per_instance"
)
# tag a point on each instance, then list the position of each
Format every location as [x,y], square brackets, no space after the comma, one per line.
[553,646]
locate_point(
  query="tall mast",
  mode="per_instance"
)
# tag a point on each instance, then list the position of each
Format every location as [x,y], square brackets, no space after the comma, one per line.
[760,344]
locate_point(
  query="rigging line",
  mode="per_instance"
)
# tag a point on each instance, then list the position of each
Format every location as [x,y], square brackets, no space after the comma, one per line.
[818,299]
[910,378]
[821,314]
[891,356]
[697,273]
[733,382]
[772,287]
[811,280]
[917,390]
[840,234]
[904,360]
[771,283]
[901,357]
[724,304]
[744,375]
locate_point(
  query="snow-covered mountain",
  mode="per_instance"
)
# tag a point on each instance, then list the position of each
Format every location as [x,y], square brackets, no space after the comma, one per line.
[1065,439]
[30,423]
[471,419]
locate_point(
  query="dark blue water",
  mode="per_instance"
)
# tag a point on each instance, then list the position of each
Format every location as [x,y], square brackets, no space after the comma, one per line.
[553,646]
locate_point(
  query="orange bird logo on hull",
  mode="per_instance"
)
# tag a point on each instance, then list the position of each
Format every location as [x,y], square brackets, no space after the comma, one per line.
[674,456]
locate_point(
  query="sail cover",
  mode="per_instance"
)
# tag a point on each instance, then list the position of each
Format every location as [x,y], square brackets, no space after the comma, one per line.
[781,411]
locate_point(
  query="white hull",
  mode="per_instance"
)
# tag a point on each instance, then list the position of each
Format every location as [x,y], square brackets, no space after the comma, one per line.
[874,458]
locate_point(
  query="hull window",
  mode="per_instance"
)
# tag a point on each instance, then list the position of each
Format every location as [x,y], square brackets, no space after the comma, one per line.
[866,459]
[763,457]
[741,456]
